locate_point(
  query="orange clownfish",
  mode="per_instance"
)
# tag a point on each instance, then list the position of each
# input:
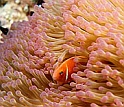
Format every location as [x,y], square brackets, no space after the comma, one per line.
[62,74]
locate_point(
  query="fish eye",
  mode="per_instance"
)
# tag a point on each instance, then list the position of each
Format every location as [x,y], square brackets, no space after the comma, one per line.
[61,73]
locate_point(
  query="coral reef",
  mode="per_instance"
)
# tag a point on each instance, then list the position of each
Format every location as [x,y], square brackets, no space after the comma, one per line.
[32,50]
[13,11]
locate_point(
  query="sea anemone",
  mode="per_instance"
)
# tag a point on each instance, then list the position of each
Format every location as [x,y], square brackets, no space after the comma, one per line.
[32,50]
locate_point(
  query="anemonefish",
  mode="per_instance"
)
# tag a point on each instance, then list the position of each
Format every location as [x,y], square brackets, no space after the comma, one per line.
[62,73]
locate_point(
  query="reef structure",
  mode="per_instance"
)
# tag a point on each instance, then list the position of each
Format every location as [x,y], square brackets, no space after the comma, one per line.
[32,50]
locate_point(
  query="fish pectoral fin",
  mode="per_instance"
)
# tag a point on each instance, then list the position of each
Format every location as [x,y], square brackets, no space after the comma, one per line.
[67,73]
[59,83]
